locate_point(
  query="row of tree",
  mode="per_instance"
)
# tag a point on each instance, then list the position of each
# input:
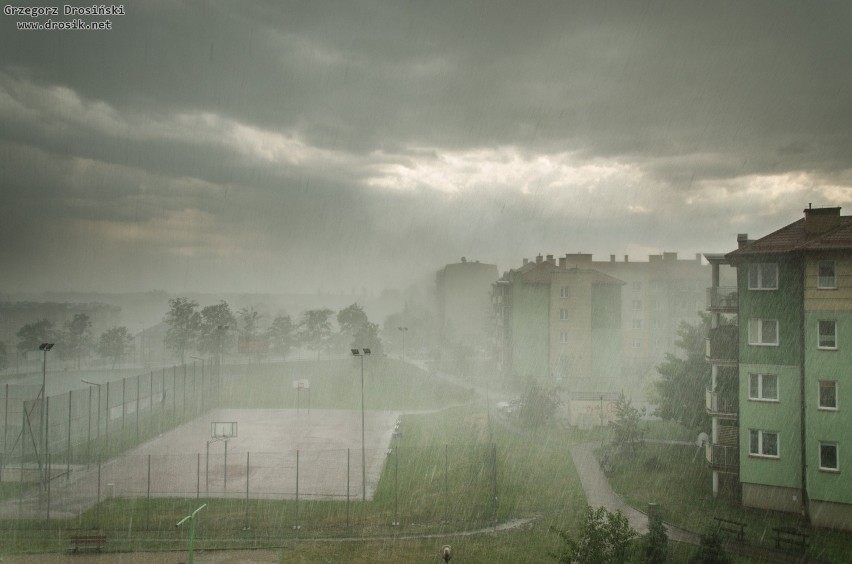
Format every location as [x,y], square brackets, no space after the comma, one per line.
[211,330]
[74,340]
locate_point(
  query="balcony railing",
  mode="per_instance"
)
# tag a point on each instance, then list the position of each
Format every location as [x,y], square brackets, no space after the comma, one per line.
[722,299]
[718,404]
[722,346]
[723,457]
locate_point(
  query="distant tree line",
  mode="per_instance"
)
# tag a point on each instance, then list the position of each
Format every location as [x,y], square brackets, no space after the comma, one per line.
[212,329]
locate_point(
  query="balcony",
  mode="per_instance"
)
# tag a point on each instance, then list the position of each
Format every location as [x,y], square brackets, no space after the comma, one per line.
[722,299]
[723,458]
[722,346]
[718,404]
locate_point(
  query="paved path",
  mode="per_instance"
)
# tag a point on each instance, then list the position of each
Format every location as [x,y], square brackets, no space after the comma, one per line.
[599,493]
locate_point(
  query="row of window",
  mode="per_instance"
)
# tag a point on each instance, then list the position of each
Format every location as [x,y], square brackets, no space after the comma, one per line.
[764,387]
[764,276]
[765,332]
[765,443]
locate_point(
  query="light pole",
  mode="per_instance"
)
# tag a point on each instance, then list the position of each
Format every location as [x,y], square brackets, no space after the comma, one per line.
[403,330]
[98,424]
[361,353]
[44,347]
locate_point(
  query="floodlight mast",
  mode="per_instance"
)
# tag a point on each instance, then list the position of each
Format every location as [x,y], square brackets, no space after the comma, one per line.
[361,353]
[44,347]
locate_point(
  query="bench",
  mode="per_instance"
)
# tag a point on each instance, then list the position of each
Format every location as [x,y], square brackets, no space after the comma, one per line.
[728,526]
[96,542]
[790,536]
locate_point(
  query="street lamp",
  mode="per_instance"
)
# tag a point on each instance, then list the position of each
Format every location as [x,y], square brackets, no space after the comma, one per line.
[361,353]
[403,330]
[44,347]
[98,424]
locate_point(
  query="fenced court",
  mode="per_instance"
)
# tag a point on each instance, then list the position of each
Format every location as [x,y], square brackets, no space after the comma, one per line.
[128,458]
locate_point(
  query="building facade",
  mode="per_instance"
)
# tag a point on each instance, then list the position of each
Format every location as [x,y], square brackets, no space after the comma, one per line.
[794,306]
[654,297]
[463,296]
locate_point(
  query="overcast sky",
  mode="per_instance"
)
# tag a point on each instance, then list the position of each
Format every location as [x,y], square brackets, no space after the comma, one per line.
[276,147]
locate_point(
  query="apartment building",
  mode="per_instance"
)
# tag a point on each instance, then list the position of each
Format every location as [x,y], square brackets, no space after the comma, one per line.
[794,347]
[463,296]
[559,325]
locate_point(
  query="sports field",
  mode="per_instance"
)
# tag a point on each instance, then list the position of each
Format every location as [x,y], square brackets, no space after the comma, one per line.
[277,454]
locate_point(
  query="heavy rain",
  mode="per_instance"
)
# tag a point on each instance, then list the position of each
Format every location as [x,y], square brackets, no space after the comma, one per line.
[425,281]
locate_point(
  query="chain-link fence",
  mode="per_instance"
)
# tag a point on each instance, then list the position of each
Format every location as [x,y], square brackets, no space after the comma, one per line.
[82,426]
[272,494]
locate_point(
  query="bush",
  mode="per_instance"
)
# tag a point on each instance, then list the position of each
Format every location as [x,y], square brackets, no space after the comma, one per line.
[604,539]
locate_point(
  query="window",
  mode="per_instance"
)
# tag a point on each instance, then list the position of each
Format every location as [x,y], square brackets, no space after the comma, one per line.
[637,304]
[763,443]
[763,276]
[828,394]
[637,344]
[828,457]
[563,337]
[763,332]
[637,323]
[763,387]
[563,292]
[563,314]
[827,334]
[827,279]
[637,286]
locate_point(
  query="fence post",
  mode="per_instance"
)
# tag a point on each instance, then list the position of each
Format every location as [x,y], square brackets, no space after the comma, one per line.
[123,404]
[248,473]
[23,456]
[494,481]
[148,501]
[296,520]
[138,405]
[46,432]
[6,419]
[68,456]
[48,485]
[89,433]
[184,393]
[198,477]
[106,423]
[446,483]
[347,488]
[98,512]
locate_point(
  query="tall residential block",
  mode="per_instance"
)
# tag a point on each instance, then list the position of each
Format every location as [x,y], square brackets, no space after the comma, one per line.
[794,306]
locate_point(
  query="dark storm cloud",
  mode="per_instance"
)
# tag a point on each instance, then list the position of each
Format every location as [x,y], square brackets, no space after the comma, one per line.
[375,139]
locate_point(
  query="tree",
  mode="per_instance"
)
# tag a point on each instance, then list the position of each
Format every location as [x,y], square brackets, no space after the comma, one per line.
[627,433]
[655,549]
[367,337]
[681,388]
[34,334]
[357,331]
[78,336]
[215,319]
[350,319]
[248,327]
[184,322]
[315,329]
[114,344]
[281,334]
[710,550]
[604,539]
[537,405]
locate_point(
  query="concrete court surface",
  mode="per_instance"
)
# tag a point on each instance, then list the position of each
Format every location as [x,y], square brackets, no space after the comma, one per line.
[262,459]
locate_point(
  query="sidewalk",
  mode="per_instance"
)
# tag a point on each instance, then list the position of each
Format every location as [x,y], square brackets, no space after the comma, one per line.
[599,493]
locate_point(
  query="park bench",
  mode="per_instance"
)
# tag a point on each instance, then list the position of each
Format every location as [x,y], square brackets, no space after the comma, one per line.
[96,542]
[728,526]
[790,536]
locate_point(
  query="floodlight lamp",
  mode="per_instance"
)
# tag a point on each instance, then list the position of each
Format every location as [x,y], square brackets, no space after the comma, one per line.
[45,346]
[355,352]
[366,351]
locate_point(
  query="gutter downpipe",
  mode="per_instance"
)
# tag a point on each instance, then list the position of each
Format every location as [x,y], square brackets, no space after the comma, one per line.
[802,388]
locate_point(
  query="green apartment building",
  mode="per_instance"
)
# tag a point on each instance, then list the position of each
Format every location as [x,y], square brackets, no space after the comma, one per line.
[559,325]
[793,303]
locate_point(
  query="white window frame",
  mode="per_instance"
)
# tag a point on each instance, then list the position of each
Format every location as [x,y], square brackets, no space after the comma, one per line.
[563,337]
[826,282]
[563,292]
[757,325]
[822,407]
[637,344]
[637,323]
[637,305]
[820,346]
[760,378]
[760,446]
[756,282]
[563,314]
[836,456]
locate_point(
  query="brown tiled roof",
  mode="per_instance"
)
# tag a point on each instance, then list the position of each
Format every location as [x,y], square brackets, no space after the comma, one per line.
[793,238]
